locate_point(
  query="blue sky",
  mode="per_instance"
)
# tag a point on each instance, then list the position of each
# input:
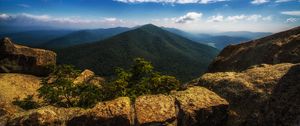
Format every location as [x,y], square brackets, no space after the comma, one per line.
[189,15]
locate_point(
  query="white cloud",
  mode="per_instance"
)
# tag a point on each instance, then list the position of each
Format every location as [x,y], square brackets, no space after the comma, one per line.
[281,1]
[254,17]
[291,13]
[3,17]
[30,19]
[189,17]
[257,2]
[110,19]
[24,5]
[291,20]
[218,18]
[236,18]
[171,1]
[36,17]
[268,18]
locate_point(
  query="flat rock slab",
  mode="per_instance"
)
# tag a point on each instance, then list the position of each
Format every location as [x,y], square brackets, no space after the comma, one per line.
[155,110]
[110,113]
[200,107]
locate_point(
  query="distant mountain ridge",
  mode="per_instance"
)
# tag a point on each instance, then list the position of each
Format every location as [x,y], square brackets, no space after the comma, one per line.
[83,36]
[216,40]
[245,34]
[35,38]
[170,53]
[53,39]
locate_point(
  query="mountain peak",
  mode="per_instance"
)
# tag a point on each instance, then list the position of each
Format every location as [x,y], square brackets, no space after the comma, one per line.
[149,26]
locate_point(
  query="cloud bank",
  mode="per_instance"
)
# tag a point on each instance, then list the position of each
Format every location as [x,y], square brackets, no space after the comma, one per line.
[291,13]
[189,17]
[257,2]
[172,1]
[46,20]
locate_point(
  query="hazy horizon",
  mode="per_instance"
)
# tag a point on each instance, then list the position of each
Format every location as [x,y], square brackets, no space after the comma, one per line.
[200,16]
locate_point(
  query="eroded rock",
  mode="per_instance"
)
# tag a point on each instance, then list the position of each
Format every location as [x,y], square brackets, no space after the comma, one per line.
[38,117]
[283,47]
[155,110]
[201,107]
[21,59]
[110,113]
[84,76]
[249,91]
[283,107]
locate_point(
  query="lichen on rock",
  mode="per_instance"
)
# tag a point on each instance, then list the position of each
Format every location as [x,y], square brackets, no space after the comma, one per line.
[21,59]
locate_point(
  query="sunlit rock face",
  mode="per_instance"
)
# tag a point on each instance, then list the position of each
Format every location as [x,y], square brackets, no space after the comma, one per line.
[199,106]
[195,106]
[282,47]
[21,59]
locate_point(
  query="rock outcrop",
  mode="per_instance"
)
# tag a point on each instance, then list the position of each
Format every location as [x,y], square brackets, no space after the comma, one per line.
[16,86]
[283,107]
[199,106]
[88,76]
[111,113]
[283,47]
[249,91]
[21,59]
[195,106]
[155,110]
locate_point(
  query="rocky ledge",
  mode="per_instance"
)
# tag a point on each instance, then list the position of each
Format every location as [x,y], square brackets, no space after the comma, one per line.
[196,106]
[263,95]
[21,59]
[283,47]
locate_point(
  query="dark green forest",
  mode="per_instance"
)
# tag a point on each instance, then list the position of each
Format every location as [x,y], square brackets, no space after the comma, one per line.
[170,53]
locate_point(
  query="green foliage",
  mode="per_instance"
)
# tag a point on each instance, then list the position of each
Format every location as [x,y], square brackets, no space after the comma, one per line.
[170,54]
[64,93]
[141,79]
[59,90]
[27,103]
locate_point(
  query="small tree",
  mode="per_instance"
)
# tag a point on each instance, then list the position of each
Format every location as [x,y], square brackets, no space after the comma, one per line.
[141,79]
[59,89]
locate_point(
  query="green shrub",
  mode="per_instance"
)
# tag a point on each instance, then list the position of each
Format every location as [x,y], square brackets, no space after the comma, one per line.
[59,90]
[141,79]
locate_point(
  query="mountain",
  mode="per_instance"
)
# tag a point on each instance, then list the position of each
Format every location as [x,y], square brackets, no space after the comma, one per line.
[84,36]
[245,34]
[6,28]
[35,38]
[277,48]
[222,41]
[169,53]
[219,41]
[260,80]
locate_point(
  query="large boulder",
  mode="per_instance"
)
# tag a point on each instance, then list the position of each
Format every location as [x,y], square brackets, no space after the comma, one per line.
[155,110]
[283,47]
[45,116]
[199,106]
[249,91]
[84,76]
[38,117]
[21,59]
[283,107]
[88,76]
[110,113]
[13,85]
